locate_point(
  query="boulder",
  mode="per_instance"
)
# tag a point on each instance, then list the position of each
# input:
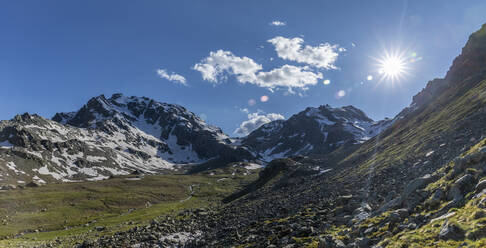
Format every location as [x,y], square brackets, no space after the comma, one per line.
[482,203]
[455,194]
[416,184]
[8,187]
[33,184]
[465,182]
[436,198]
[363,242]
[403,213]
[451,231]
[480,186]
[478,233]
[479,214]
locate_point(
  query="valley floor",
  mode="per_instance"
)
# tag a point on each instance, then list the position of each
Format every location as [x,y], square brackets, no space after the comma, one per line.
[66,214]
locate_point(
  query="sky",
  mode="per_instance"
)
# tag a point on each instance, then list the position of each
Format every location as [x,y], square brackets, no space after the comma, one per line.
[237,64]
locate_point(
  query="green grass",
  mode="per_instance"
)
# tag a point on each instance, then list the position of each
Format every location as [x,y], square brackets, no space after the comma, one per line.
[70,211]
[410,139]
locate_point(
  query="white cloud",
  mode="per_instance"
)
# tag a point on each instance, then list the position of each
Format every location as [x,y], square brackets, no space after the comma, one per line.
[322,56]
[219,64]
[256,120]
[214,67]
[172,77]
[288,76]
[277,23]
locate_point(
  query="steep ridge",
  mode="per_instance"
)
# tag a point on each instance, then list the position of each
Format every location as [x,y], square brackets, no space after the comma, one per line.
[315,130]
[444,119]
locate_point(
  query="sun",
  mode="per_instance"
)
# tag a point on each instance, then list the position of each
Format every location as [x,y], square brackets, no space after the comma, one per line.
[392,66]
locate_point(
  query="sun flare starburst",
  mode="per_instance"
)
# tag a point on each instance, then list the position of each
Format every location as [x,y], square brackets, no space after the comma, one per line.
[392,66]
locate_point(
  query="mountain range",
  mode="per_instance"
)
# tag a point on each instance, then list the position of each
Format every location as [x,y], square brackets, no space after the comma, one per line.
[120,135]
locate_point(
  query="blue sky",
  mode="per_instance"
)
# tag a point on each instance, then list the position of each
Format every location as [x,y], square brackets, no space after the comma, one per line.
[55,55]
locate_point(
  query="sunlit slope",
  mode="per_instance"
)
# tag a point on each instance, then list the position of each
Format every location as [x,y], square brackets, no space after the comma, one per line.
[444,118]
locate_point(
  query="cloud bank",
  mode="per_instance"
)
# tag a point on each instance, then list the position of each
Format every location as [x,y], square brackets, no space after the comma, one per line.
[256,120]
[322,56]
[221,64]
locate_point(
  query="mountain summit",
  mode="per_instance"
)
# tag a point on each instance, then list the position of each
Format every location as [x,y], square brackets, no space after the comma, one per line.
[178,135]
[314,130]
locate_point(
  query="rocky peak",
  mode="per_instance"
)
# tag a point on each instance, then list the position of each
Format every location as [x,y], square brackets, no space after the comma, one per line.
[470,65]
[472,60]
[316,129]
[140,111]
[181,135]
[26,118]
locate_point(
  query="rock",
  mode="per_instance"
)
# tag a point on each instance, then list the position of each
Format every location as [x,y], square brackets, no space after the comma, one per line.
[100,228]
[482,203]
[465,182]
[8,187]
[480,186]
[363,242]
[369,231]
[403,213]
[393,218]
[451,231]
[478,233]
[436,198]
[306,231]
[389,205]
[416,184]
[455,194]
[33,184]
[412,226]
[479,214]
[330,242]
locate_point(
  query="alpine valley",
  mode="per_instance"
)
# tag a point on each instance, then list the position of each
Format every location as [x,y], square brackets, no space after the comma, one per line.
[129,171]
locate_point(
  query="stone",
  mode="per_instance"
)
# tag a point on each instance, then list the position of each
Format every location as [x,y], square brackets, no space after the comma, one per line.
[436,198]
[451,231]
[403,213]
[363,242]
[465,182]
[455,193]
[482,203]
[8,187]
[416,184]
[479,214]
[33,184]
[480,186]
[478,233]
[100,228]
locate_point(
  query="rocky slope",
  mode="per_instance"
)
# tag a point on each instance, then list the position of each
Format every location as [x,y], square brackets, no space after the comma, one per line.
[315,130]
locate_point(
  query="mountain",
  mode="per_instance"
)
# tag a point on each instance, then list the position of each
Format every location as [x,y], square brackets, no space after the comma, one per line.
[180,136]
[315,130]
[120,134]
[107,137]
